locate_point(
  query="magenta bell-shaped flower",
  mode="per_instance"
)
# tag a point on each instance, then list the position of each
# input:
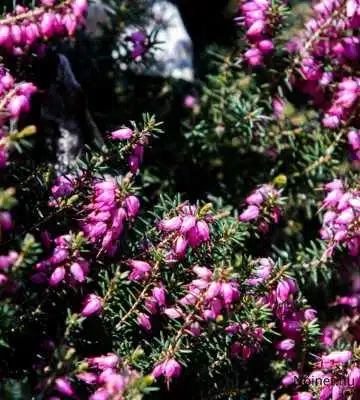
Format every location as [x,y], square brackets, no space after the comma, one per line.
[290,378]
[180,246]
[283,291]
[310,314]
[144,321]
[132,205]
[104,362]
[63,386]
[171,368]
[17,105]
[141,270]
[188,223]
[122,134]
[286,345]
[159,294]
[57,276]
[250,213]
[92,305]
[5,35]
[169,225]
[335,358]
[173,313]
[203,230]
[354,377]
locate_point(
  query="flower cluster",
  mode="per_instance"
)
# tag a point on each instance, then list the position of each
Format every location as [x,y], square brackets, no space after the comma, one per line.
[263,206]
[342,216]
[137,141]
[259,17]
[212,294]
[168,368]
[343,102]
[24,28]
[189,229]
[335,377]
[64,265]
[63,187]
[108,377]
[108,212]
[246,340]
[14,100]
[326,56]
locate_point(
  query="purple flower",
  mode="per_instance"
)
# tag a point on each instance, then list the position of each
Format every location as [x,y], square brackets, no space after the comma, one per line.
[171,368]
[57,276]
[250,213]
[63,386]
[286,345]
[92,305]
[144,321]
[122,134]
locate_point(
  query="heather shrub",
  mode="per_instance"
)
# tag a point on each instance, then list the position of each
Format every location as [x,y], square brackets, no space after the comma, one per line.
[206,243]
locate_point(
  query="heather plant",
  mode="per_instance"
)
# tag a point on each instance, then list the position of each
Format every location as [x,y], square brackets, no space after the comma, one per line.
[114,285]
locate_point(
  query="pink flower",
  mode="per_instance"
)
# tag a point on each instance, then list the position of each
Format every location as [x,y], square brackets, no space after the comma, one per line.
[286,345]
[203,230]
[63,386]
[77,272]
[290,378]
[79,7]
[335,358]
[310,314]
[169,225]
[122,134]
[180,246]
[346,216]
[256,28]
[354,377]
[159,295]
[92,305]
[132,205]
[188,223]
[203,272]
[251,212]
[173,313]
[190,102]
[57,276]
[144,321]
[17,105]
[141,270]
[104,362]
[5,35]
[171,368]
[282,291]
